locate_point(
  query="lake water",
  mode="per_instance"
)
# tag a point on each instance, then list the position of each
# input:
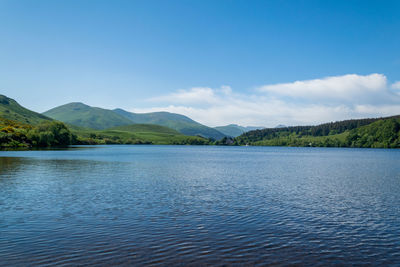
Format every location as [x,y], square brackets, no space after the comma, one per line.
[200,205]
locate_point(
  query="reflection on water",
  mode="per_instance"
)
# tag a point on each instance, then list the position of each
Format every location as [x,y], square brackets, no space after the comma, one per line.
[8,164]
[200,205]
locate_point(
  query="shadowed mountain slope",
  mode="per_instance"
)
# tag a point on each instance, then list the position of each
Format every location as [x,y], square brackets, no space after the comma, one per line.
[11,110]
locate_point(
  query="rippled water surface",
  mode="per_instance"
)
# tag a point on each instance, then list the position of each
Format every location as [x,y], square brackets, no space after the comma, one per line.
[189,205]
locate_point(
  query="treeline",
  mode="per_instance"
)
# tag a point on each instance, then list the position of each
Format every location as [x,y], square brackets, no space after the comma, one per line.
[45,134]
[101,139]
[380,133]
[325,129]
[104,139]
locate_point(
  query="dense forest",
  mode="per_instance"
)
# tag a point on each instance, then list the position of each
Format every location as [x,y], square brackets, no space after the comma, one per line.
[325,129]
[378,133]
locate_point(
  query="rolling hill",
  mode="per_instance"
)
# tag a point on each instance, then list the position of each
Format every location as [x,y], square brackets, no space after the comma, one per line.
[82,115]
[174,121]
[86,116]
[11,110]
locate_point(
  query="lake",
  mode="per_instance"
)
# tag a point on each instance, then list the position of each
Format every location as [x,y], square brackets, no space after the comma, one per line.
[200,205]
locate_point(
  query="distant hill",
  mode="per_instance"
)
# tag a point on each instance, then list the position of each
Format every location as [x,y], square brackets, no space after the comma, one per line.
[234,130]
[174,121]
[11,110]
[86,116]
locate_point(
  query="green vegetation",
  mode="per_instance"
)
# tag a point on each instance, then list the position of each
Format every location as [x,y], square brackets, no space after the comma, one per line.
[375,133]
[380,134]
[45,134]
[11,110]
[54,133]
[21,127]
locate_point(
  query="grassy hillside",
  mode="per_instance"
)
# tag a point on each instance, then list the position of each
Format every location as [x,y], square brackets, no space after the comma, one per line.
[11,110]
[378,133]
[174,121]
[137,134]
[83,115]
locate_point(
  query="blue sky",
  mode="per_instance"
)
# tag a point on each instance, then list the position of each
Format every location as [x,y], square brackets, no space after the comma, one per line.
[218,62]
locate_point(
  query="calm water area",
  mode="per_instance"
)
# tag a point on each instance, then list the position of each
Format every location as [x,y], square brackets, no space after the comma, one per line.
[200,205]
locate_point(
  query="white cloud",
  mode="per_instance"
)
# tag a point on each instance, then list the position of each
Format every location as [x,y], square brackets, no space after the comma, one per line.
[345,87]
[396,85]
[298,103]
[195,95]
[374,111]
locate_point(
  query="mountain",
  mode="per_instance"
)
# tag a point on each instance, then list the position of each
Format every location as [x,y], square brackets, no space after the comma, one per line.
[174,121]
[11,110]
[234,130]
[83,115]
[86,116]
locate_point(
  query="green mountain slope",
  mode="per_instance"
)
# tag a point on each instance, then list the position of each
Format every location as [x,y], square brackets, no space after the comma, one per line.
[83,115]
[11,110]
[174,121]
